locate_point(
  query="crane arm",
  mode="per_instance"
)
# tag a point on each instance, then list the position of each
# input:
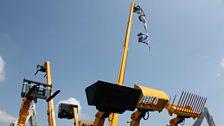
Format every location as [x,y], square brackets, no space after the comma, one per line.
[76,119]
[208,117]
[177,120]
[100,118]
[31,117]
[205,114]
[24,111]
[136,117]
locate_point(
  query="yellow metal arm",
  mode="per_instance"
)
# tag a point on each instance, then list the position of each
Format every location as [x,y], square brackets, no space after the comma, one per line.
[125,48]
[24,111]
[183,111]
[136,117]
[76,119]
[114,117]
[51,115]
[188,106]
[100,118]
[150,100]
[176,121]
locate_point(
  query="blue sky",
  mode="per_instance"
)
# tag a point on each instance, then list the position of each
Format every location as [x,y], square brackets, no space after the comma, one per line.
[83,39]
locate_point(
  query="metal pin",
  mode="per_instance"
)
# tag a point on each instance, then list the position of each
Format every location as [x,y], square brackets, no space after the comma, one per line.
[151,99]
[186,106]
[184,102]
[199,104]
[196,103]
[180,101]
[203,104]
[147,100]
[192,103]
[156,101]
[173,100]
[144,99]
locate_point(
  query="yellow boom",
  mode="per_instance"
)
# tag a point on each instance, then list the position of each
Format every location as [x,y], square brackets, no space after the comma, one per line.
[24,111]
[50,112]
[114,117]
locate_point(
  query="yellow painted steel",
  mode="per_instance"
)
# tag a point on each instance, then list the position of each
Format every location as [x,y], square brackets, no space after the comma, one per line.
[51,113]
[152,92]
[114,117]
[24,111]
[125,47]
[100,118]
[186,111]
[136,118]
[152,99]
[177,120]
[76,119]
[189,105]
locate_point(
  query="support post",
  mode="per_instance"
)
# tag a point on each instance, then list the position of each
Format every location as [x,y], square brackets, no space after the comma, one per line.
[76,119]
[51,114]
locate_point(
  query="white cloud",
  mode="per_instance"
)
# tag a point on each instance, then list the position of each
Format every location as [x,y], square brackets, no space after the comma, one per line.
[6,118]
[2,71]
[73,101]
[222,63]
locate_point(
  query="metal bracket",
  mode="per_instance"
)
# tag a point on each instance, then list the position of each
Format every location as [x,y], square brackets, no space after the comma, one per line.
[41,68]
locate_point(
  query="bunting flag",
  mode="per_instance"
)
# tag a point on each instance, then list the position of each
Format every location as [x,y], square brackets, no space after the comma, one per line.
[142,37]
